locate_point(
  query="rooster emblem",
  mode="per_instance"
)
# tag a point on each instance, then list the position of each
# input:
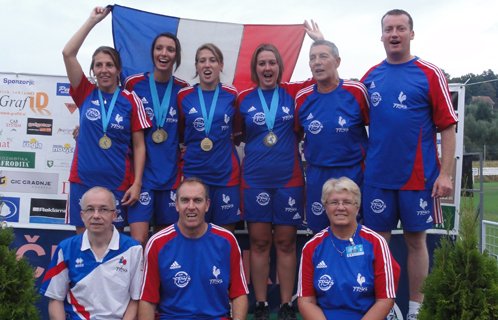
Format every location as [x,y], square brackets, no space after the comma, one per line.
[360,279]
[226,198]
[285,109]
[291,201]
[342,121]
[118,118]
[402,97]
[172,112]
[216,272]
[172,195]
[423,204]
[227,119]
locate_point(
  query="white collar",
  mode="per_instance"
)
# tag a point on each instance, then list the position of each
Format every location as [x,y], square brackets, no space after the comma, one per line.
[113,244]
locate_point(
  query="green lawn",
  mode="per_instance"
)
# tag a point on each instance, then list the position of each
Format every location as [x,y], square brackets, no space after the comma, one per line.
[490,200]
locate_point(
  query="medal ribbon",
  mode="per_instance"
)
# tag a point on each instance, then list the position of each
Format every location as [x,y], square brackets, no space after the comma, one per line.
[160,109]
[208,120]
[269,114]
[106,116]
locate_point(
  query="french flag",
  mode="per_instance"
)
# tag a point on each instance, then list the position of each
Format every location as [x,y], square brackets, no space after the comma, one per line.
[134,30]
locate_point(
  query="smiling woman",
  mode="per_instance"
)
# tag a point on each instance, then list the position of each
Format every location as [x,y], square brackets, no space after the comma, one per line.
[111,128]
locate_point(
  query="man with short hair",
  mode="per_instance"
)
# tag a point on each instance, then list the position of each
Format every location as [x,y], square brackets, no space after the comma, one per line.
[409,103]
[97,274]
[192,268]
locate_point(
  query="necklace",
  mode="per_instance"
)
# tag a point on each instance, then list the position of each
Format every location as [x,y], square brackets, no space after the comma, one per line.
[350,240]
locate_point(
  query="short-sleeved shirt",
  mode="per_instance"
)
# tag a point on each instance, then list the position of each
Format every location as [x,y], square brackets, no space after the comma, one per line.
[220,165]
[161,171]
[95,288]
[261,162]
[334,124]
[347,287]
[193,278]
[408,103]
[92,165]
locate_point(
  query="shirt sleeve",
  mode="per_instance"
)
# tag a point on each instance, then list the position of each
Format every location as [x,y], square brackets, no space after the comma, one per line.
[56,282]
[386,270]
[139,118]
[305,286]
[137,272]
[151,278]
[238,283]
[81,91]
[440,99]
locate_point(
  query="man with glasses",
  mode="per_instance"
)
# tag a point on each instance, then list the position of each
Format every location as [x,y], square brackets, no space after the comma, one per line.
[97,274]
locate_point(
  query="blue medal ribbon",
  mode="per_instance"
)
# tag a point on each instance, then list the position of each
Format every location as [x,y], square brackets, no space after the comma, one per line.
[208,120]
[160,109]
[272,112]
[106,116]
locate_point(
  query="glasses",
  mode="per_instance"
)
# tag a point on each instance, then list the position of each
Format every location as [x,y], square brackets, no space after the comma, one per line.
[102,210]
[346,203]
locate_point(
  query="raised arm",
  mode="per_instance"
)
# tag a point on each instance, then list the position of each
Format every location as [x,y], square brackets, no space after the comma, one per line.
[313,30]
[73,67]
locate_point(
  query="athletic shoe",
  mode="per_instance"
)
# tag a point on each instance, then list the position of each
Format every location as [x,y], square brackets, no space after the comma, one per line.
[261,311]
[286,312]
[412,316]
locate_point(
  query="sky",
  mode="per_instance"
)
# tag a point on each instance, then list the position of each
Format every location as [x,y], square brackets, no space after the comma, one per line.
[458,36]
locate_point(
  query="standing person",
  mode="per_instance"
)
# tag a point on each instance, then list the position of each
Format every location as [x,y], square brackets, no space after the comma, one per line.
[347,270]
[206,113]
[333,114]
[404,180]
[97,274]
[192,269]
[158,91]
[273,203]
[111,128]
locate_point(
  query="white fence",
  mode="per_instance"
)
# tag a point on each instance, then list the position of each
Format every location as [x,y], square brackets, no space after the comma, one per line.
[490,237]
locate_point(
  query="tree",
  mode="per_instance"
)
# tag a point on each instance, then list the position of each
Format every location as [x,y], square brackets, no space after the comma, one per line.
[17,282]
[463,283]
[484,111]
[487,89]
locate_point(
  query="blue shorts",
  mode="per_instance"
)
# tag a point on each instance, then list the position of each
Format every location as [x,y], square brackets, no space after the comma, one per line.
[283,206]
[315,179]
[383,208]
[161,203]
[76,192]
[224,205]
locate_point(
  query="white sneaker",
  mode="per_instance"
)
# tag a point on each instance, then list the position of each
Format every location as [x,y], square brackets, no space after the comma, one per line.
[412,316]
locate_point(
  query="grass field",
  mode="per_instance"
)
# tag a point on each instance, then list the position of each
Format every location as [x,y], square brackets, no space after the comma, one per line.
[490,192]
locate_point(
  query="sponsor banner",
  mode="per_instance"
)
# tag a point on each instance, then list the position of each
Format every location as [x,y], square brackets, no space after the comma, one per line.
[9,209]
[63,89]
[41,127]
[15,159]
[58,164]
[29,182]
[49,211]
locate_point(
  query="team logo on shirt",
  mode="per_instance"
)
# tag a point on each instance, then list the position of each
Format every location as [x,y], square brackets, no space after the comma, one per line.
[216,273]
[92,114]
[372,85]
[181,279]
[375,98]
[79,263]
[423,205]
[144,101]
[315,127]
[192,111]
[144,198]
[199,124]
[121,265]
[325,282]
[150,113]
[341,122]
[360,279]
[175,265]
[119,218]
[227,205]
[310,116]
[117,125]
[429,220]
[288,116]
[321,265]
[263,198]
[377,206]
[317,208]
[251,109]
[172,113]
[227,120]
[296,216]
[172,196]
[291,203]
[259,118]
[401,98]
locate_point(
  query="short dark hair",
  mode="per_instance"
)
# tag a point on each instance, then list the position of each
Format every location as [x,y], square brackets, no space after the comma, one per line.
[397,12]
[254,62]
[193,180]
[178,53]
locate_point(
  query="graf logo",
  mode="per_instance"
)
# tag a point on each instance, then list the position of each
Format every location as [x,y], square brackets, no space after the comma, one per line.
[150,113]
[375,98]
[92,114]
[144,198]
[325,282]
[315,127]
[259,118]
[181,279]
[317,208]
[263,198]
[377,206]
[199,124]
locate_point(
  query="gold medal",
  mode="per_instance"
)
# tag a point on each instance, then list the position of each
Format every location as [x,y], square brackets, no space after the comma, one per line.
[105,142]
[270,139]
[206,144]
[159,136]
